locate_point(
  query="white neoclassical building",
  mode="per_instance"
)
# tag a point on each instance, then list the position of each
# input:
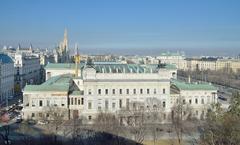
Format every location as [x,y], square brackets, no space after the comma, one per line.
[101,87]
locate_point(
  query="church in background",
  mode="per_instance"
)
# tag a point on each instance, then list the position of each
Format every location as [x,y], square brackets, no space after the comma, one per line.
[61,53]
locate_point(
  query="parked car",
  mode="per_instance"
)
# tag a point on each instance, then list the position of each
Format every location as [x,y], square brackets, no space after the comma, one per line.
[42,122]
[222,98]
[31,122]
[18,120]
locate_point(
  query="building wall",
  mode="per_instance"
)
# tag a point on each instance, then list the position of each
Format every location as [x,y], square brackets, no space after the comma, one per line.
[6,81]
[37,104]
[27,70]
[55,72]
[197,102]
[217,65]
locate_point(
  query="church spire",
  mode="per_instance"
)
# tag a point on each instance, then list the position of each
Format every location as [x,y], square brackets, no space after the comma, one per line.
[18,48]
[65,40]
[30,48]
[65,33]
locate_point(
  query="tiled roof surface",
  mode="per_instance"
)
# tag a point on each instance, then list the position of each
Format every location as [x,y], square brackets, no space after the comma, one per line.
[192,86]
[113,67]
[56,83]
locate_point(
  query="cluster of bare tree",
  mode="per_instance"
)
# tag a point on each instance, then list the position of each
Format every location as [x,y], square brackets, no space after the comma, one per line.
[222,127]
[60,132]
[221,77]
[138,122]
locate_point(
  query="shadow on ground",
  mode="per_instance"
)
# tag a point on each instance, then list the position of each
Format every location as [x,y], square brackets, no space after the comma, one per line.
[36,136]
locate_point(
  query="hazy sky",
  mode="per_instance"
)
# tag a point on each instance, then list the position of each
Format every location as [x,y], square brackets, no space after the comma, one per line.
[150,24]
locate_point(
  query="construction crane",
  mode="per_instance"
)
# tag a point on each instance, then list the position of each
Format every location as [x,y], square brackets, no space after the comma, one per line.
[77,60]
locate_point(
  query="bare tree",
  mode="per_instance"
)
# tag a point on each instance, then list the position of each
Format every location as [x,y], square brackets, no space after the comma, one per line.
[180,113]
[106,122]
[222,126]
[155,116]
[25,130]
[56,117]
[134,118]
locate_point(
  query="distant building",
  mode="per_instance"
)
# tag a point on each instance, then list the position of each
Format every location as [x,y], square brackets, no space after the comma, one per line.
[6,77]
[172,58]
[61,53]
[27,70]
[213,64]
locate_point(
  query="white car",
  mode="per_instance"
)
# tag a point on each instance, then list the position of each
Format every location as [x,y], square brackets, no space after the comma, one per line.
[42,122]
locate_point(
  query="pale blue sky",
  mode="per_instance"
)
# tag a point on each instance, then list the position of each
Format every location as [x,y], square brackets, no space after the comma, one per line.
[122,23]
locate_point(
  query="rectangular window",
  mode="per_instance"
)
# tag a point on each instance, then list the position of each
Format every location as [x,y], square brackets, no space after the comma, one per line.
[113,105]
[40,103]
[155,91]
[127,103]
[106,91]
[202,101]
[113,91]
[71,101]
[148,91]
[120,103]
[106,104]
[33,114]
[127,91]
[82,101]
[33,103]
[40,115]
[89,105]
[120,91]
[62,104]
[75,101]
[89,117]
[99,91]
[99,104]
[164,104]
[89,91]
[196,101]
[190,101]
[164,91]
[134,91]
[184,102]
[141,91]
[79,101]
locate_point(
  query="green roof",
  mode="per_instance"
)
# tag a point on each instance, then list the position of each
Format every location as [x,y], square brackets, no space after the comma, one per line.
[170,66]
[115,67]
[76,93]
[192,86]
[56,83]
[61,66]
